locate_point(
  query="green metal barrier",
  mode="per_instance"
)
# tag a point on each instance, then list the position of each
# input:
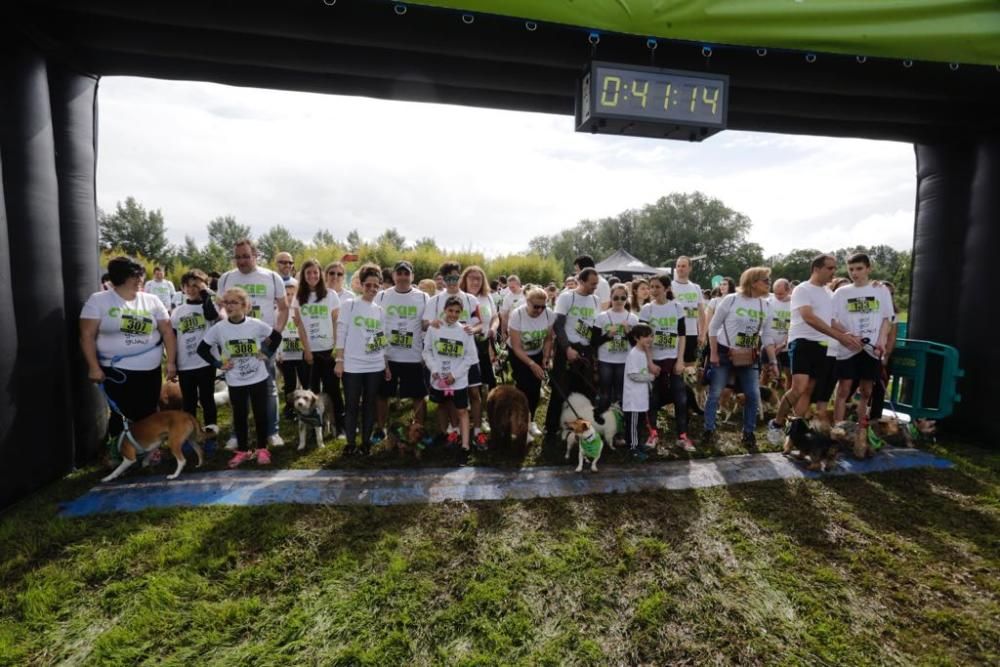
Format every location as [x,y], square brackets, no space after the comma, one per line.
[901,329]
[917,368]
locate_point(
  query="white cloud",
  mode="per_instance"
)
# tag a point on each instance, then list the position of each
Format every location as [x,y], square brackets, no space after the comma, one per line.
[480,178]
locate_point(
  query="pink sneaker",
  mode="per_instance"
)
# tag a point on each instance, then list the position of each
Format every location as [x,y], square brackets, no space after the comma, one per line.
[263,457]
[239,458]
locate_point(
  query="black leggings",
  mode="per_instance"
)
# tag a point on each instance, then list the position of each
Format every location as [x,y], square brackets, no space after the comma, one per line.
[257,397]
[198,386]
[526,381]
[668,382]
[360,392]
[611,384]
[322,374]
[137,396]
[293,373]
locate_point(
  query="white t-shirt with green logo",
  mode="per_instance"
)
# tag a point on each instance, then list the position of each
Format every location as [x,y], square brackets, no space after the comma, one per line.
[533,330]
[511,302]
[317,318]
[241,343]
[361,335]
[264,287]
[781,318]
[581,314]
[188,320]
[635,395]
[448,349]
[403,311]
[820,300]
[616,326]
[861,311]
[163,289]
[664,320]
[689,296]
[127,327]
[742,321]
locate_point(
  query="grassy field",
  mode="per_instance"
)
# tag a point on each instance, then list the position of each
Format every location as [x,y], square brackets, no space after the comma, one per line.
[895,568]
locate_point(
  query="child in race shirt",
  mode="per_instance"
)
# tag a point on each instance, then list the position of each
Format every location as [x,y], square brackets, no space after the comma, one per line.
[293,368]
[449,352]
[865,311]
[245,343]
[191,321]
[639,375]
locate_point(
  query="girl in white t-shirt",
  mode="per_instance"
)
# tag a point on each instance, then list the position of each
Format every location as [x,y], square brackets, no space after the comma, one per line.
[360,348]
[293,369]
[244,344]
[315,311]
[639,375]
[614,323]
[191,321]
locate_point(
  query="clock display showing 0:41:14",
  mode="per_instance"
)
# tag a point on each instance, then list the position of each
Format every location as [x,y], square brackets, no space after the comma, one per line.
[678,99]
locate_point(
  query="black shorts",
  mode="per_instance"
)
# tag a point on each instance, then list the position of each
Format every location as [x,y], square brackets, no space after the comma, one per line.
[486,374]
[690,349]
[861,366]
[407,379]
[460,398]
[475,377]
[809,358]
[784,360]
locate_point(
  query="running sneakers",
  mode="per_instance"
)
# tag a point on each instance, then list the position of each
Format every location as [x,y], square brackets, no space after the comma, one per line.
[275,441]
[263,457]
[239,458]
[231,444]
[534,431]
[684,442]
[480,440]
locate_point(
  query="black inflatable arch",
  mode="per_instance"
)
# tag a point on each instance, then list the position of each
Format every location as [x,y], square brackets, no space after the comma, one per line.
[52,53]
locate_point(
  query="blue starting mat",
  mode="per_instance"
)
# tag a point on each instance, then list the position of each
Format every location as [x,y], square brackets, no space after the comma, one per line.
[435,485]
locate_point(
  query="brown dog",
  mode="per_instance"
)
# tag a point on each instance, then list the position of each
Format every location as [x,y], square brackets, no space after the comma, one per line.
[508,414]
[173,427]
[407,439]
[170,396]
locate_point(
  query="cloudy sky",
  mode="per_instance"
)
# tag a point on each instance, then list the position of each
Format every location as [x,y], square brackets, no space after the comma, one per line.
[471,178]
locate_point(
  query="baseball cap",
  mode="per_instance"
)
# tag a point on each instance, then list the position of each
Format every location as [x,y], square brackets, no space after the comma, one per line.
[403,265]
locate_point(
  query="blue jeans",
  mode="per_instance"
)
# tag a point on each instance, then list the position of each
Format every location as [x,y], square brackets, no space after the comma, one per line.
[749,379]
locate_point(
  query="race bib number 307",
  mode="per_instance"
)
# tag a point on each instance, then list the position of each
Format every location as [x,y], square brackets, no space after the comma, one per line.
[132,323]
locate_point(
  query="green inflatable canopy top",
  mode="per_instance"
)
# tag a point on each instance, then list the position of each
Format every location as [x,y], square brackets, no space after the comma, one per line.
[953,31]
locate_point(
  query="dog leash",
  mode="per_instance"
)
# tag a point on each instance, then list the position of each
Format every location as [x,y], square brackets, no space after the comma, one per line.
[126,422]
[562,394]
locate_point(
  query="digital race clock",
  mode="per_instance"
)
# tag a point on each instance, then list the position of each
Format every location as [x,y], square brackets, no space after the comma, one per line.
[650,102]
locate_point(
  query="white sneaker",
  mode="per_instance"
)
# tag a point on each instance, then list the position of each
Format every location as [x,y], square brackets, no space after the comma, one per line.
[534,431]
[231,444]
[775,433]
[275,441]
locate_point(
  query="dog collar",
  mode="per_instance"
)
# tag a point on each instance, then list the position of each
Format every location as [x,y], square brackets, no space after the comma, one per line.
[312,419]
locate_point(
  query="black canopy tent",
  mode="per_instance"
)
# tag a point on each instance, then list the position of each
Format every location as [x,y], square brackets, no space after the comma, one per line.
[53,52]
[624,266]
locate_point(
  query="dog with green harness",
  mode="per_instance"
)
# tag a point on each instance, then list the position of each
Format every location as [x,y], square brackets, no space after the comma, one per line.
[588,441]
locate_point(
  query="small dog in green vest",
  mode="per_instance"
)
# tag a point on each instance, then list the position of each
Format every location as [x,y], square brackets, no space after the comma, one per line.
[589,442]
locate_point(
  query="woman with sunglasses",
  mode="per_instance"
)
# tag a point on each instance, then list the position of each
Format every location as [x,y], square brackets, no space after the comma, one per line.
[361,343]
[743,321]
[530,340]
[614,323]
[334,278]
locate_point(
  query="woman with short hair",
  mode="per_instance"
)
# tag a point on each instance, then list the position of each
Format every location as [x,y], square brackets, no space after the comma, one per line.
[530,341]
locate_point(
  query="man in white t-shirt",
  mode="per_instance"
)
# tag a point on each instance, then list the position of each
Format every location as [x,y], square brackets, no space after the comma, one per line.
[809,334]
[512,299]
[286,266]
[267,303]
[865,311]
[161,288]
[603,289]
[692,300]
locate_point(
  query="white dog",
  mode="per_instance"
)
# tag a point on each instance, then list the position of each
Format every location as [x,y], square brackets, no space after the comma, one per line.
[315,411]
[585,410]
[583,435]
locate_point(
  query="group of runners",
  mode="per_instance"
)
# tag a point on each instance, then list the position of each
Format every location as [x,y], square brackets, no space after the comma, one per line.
[451,338]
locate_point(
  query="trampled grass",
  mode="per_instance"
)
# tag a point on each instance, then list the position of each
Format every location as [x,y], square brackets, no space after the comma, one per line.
[894,568]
